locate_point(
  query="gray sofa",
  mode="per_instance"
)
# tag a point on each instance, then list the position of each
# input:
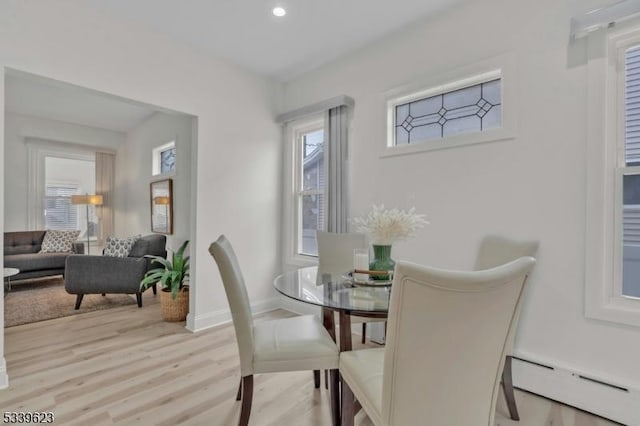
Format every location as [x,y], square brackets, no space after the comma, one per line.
[21,251]
[104,274]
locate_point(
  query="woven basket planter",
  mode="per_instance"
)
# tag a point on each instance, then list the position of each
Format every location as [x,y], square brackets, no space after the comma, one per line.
[174,310]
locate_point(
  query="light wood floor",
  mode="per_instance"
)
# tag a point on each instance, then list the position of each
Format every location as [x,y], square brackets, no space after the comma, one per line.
[126,366]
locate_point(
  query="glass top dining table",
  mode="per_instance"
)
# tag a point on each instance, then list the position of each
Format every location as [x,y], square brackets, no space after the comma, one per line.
[335,292]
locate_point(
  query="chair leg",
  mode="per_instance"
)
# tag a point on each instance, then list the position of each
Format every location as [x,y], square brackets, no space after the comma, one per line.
[139,299]
[326,379]
[335,397]
[79,300]
[247,396]
[364,332]
[239,394]
[155,290]
[316,379]
[348,405]
[507,387]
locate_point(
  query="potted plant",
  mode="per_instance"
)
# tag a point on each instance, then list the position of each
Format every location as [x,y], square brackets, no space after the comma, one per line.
[173,277]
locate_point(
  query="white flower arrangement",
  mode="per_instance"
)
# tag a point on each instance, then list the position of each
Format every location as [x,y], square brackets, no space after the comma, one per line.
[385,227]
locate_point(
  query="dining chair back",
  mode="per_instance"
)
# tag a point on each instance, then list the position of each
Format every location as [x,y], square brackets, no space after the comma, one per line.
[269,346]
[496,250]
[446,342]
[236,291]
[335,251]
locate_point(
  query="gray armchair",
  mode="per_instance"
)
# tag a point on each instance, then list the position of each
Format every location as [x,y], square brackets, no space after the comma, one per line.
[105,274]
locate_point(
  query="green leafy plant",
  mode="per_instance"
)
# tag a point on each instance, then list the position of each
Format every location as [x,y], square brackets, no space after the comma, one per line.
[173,275]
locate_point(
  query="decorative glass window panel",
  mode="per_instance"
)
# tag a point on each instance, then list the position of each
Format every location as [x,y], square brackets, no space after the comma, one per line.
[310,189]
[470,109]
[168,160]
[163,159]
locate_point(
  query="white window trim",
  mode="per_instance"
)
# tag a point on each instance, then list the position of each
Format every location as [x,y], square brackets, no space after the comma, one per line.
[155,159]
[502,67]
[603,283]
[37,151]
[292,169]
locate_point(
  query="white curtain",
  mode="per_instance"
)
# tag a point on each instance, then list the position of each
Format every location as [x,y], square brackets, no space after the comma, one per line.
[105,183]
[336,148]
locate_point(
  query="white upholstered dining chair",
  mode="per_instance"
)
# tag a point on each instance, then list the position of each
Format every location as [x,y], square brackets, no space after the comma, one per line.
[496,250]
[445,349]
[288,344]
[335,257]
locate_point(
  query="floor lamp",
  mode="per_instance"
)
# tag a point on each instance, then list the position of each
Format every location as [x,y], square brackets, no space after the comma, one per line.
[87,200]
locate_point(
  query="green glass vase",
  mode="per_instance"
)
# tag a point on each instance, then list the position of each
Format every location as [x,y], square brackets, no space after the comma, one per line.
[381,261]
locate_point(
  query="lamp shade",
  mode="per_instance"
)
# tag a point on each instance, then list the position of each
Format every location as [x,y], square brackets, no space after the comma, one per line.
[161,200]
[95,200]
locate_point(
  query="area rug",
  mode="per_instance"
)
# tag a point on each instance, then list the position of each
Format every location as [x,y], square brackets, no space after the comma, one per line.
[43,299]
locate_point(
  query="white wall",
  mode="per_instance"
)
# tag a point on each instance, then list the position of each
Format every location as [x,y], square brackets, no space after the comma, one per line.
[134,161]
[532,187]
[17,129]
[237,157]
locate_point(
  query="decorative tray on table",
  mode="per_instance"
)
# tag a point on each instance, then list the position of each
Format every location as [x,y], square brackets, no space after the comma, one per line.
[369,281]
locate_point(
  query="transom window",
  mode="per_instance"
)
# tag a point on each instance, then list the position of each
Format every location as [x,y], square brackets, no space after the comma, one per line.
[470,109]
[164,159]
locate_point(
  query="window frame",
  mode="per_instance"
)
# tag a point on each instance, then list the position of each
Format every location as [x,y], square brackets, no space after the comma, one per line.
[156,159]
[605,168]
[499,67]
[292,216]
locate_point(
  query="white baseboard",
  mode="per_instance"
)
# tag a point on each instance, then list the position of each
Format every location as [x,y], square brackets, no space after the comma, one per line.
[4,377]
[223,316]
[587,392]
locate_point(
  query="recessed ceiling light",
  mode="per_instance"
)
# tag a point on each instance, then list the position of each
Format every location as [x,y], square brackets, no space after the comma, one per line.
[279,11]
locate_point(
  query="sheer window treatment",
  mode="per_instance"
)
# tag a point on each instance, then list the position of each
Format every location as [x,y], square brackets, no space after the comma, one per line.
[105,183]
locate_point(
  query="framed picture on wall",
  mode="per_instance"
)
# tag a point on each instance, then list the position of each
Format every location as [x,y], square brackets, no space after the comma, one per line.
[162,206]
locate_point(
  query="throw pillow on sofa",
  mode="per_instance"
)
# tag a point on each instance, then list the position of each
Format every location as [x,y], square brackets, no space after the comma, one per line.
[56,241]
[120,247]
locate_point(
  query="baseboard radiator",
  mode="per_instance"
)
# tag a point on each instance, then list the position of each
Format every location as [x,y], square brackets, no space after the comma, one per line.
[596,395]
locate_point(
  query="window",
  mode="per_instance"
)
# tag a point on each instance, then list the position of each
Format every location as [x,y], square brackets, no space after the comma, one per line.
[309,187]
[471,104]
[628,173]
[164,159]
[474,108]
[612,266]
[59,213]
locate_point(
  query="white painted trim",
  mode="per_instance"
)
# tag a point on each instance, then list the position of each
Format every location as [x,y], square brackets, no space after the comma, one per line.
[603,300]
[613,401]
[317,108]
[223,316]
[291,169]
[4,377]
[37,151]
[502,67]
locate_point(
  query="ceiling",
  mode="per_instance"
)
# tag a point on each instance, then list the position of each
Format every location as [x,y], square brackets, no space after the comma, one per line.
[244,31]
[45,98]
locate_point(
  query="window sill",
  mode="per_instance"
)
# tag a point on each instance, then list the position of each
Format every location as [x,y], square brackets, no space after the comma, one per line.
[450,142]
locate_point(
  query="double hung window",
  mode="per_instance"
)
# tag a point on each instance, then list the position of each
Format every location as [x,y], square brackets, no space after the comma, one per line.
[309,182]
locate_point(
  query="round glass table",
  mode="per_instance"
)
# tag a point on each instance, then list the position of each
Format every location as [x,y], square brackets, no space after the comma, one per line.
[335,292]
